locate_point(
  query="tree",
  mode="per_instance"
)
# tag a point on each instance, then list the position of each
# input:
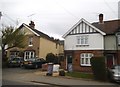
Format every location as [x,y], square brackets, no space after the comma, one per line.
[50,57]
[12,38]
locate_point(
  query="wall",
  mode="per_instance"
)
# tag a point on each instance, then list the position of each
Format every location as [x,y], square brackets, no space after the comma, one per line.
[110,42]
[96,42]
[47,46]
[36,40]
[76,59]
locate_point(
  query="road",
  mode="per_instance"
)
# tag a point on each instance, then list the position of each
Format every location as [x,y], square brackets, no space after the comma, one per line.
[18,76]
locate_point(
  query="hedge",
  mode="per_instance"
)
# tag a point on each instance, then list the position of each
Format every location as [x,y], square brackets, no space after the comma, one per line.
[99,68]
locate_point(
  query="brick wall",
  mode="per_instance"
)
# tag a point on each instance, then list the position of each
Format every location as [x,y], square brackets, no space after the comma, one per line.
[76,60]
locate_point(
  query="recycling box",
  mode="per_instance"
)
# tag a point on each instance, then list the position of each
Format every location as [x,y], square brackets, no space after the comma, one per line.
[50,69]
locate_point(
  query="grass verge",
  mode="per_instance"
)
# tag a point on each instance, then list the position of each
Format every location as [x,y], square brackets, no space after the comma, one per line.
[80,75]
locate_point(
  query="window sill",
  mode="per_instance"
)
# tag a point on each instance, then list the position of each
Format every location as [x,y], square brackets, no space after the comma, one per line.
[79,45]
[85,65]
[30,45]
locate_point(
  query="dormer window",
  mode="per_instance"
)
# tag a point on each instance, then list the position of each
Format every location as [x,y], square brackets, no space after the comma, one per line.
[30,41]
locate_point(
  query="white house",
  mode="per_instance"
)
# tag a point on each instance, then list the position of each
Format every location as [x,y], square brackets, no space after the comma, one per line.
[83,41]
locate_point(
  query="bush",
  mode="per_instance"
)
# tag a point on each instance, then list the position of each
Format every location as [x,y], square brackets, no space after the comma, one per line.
[99,68]
[50,57]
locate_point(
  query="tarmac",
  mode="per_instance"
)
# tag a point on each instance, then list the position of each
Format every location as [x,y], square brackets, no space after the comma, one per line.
[39,77]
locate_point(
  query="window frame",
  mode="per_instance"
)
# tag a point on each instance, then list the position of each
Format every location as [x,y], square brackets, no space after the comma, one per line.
[84,57]
[83,40]
[30,43]
[29,54]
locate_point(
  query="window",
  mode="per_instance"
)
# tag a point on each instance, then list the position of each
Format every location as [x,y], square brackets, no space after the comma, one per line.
[82,40]
[29,54]
[118,39]
[85,59]
[14,54]
[31,41]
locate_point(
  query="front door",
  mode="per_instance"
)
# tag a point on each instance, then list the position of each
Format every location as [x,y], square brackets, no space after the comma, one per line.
[69,63]
[110,60]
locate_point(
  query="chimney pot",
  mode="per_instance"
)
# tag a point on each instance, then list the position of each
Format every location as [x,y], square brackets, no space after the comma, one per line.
[100,18]
[32,25]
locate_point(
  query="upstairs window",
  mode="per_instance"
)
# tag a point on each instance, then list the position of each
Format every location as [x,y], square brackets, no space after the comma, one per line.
[82,40]
[30,41]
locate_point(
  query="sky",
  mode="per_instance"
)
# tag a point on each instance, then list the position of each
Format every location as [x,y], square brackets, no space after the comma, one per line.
[55,17]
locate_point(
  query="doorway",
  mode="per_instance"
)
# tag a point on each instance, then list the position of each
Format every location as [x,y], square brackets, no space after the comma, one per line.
[110,60]
[69,62]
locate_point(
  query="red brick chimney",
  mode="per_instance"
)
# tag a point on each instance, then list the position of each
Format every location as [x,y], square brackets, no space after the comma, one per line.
[101,19]
[32,25]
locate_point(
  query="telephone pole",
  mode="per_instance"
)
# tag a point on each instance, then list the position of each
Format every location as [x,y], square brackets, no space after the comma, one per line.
[0,15]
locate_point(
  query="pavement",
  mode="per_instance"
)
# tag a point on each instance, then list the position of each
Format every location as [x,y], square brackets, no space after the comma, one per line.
[40,77]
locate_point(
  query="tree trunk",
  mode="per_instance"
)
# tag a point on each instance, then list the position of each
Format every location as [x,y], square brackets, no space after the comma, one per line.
[3,53]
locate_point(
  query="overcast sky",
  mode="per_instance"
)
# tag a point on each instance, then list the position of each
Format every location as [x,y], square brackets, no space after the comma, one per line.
[56,17]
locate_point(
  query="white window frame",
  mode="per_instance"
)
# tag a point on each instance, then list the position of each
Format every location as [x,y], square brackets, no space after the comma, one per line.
[84,57]
[29,54]
[30,41]
[83,40]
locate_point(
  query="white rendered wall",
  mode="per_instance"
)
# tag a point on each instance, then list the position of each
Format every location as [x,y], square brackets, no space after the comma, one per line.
[95,41]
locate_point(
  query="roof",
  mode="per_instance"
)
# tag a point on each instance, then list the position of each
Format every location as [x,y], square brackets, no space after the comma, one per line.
[83,20]
[38,33]
[109,27]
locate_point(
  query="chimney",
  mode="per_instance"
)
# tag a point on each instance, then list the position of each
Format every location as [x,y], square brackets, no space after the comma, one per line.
[101,19]
[32,25]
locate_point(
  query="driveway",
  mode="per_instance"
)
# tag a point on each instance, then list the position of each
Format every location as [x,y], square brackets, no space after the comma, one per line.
[38,77]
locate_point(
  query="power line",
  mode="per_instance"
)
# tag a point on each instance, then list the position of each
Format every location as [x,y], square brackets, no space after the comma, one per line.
[9,18]
[110,8]
[67,10]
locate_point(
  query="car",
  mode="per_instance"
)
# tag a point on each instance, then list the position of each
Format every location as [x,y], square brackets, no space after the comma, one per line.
[15,62]
[33,63]
[114,73]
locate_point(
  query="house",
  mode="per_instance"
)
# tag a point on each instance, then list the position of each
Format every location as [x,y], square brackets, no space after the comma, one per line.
[38,44]
[85,40]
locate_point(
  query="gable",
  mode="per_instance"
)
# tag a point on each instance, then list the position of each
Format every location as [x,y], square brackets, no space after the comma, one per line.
[83,27]
[27,31]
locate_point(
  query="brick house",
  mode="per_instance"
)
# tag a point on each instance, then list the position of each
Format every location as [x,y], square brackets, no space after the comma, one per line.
[85,40]
[38,44]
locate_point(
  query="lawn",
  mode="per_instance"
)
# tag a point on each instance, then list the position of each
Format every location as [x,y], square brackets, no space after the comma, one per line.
[80,75]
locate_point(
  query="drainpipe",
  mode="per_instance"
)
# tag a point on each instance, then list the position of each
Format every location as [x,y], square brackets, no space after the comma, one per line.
[117,50]
[116,35]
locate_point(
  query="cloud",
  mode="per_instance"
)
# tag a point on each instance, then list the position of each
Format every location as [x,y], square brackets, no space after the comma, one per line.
[55,17]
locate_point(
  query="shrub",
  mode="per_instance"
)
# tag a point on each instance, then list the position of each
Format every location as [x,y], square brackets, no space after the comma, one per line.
[99,68]
[50,57]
